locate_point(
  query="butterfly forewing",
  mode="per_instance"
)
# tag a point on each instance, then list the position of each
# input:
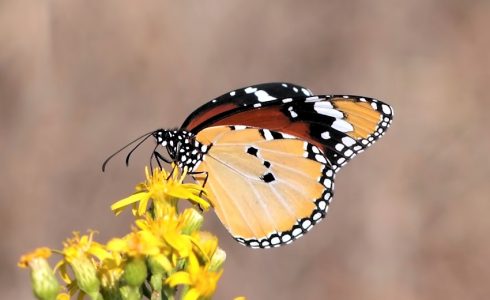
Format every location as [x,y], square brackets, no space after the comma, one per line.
[247,97]
[267,187]
[342,126]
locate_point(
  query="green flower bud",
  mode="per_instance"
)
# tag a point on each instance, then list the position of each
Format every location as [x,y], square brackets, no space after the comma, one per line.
[217,260]
[44,283]
[159,264]
[111,293]
[156,282]
[130,292]
[192,221]
[135,272]
[86,275]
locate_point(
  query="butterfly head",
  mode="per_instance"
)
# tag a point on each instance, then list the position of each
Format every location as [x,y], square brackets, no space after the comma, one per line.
[181,146]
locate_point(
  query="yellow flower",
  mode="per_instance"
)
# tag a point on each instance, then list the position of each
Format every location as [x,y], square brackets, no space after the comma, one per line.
[110,271]
[63,296]
[135,244]
[84,245]
[200,281]
[208,251]
[29,257]
[79,253]
[206,244]
[168,229]
[162,188]
[165,249]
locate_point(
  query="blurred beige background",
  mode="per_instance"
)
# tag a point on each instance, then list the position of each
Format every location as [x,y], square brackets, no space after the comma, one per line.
[410,219]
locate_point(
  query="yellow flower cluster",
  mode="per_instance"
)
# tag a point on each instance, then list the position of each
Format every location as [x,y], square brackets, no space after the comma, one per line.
[165,256]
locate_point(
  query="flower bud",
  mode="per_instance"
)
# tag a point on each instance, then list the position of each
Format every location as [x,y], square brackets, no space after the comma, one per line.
[217,260]
[130,293]
[86,275]
[135,272]
[192,221]
[156,282]
[159,264]
[44,283]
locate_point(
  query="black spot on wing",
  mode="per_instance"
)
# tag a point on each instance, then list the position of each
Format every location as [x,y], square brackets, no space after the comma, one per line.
[268,177]
[252,151]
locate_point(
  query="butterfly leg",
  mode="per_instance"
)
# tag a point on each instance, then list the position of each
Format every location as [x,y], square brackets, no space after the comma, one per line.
[159,158]
[206,174]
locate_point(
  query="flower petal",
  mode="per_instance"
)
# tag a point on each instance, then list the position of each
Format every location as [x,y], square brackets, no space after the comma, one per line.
[130,200]
[178,278]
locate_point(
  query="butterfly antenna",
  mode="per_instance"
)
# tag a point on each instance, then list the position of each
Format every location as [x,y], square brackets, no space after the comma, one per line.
[136,147]
[154,156]
[144,137]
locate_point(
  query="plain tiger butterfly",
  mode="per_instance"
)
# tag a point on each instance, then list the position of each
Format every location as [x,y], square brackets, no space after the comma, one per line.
[268,154]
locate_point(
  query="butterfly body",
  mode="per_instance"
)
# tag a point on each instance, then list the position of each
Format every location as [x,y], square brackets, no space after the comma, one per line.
[182,147]
[268,155]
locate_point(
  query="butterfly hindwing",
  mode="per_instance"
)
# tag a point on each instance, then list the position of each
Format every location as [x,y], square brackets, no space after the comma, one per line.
[267,187]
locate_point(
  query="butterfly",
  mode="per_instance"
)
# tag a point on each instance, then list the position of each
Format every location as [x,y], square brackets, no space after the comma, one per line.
[268,154]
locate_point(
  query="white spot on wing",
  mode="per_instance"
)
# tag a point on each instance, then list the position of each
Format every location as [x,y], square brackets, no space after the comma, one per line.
[320,158]
[329,112]
[342,126]
[268,135]
[327,183]
[232,93]
[297,232]
[348,141]
[288,136]
[325,135]
[312,99]
[322,104]
[262,96]
[292,112]
[254,244]
[317,216]
[386,109]
[322,205]
[306,92]
[306,224]
[250,90]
